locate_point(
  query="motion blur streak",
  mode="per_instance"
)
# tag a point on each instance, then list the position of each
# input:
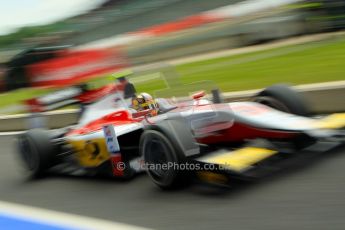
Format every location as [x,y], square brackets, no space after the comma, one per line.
[174,82]
[15,216]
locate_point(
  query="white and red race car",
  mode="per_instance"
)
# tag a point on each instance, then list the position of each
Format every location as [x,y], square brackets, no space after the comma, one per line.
[208,139]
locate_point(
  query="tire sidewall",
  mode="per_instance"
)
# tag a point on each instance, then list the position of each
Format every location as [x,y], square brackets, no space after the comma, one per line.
[36,152]
[292,101]
[171,177]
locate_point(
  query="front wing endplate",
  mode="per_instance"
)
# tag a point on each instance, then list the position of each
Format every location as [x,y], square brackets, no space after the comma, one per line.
[239,160]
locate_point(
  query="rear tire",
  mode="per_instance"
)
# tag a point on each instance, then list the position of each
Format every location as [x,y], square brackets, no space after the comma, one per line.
[283,98]
[37,152]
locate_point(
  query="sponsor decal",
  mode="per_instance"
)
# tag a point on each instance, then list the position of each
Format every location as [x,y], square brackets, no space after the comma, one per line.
[114,148]
[111,139]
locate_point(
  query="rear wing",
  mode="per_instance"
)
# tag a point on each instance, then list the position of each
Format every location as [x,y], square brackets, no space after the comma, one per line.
[79,94]
[69,96]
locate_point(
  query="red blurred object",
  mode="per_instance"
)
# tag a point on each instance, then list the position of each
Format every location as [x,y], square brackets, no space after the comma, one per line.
[72,67]
[34,105]
[198,95]
[182,24]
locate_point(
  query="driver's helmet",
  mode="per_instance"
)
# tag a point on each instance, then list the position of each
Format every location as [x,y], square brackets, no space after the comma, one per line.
[145,101]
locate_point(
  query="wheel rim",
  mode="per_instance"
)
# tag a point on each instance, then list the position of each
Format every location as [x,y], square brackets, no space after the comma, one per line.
[158,155]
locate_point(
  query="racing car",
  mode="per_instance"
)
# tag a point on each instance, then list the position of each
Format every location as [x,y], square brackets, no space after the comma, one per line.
[199,138]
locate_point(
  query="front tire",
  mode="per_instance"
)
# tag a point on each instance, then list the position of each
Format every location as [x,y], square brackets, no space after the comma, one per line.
[158,152]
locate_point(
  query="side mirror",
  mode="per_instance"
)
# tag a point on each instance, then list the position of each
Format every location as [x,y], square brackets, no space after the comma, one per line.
[198,95]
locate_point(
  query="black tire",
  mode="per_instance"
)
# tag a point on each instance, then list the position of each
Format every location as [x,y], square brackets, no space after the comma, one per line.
[284,98]
[37,152]
[158,150]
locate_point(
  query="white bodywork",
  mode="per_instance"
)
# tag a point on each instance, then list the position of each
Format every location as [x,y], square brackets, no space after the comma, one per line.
[262,116]
[109,104]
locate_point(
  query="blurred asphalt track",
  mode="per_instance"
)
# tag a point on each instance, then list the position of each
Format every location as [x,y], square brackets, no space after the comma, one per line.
[307,196]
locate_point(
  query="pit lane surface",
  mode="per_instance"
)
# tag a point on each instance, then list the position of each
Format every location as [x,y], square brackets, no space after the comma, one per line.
[308,196]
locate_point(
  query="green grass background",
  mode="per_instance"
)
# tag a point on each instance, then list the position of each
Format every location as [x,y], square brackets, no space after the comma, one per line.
[296,64]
